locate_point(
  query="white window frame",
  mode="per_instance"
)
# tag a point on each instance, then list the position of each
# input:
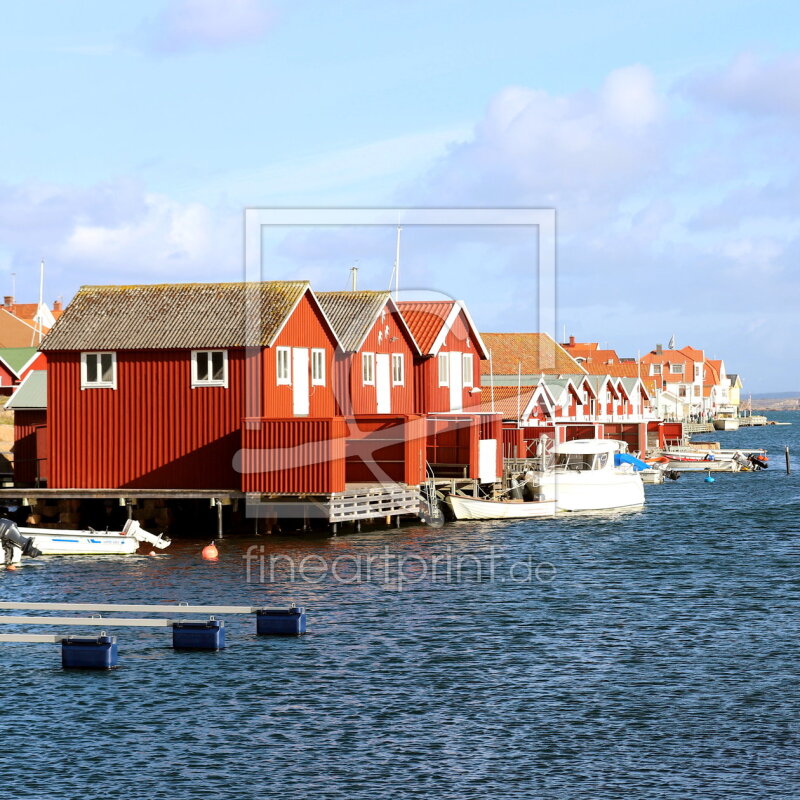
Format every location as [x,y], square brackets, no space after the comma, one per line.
[368,369]
[676,369]
[655,369]
[398,369]
[85,384]
[317,359]
[197,383]
[283,377]
[443,363]
[468,369]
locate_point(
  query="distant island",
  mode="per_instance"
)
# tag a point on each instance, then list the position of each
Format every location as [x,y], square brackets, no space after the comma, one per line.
[781,401]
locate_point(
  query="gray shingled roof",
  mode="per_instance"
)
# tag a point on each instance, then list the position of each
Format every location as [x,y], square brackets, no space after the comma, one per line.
[31,393]
[178,315]
[352,314]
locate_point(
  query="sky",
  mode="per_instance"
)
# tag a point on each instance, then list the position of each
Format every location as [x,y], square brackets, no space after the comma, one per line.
[666,136]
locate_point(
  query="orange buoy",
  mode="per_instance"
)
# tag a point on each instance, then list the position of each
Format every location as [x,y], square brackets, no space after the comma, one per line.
[210,552]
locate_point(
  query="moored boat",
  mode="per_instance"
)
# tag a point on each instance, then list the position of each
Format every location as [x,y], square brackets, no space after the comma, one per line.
[92,542]
[478,508]
[726,420]
[592,475]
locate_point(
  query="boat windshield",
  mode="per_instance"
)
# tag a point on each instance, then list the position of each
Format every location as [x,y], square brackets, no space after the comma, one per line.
[579,461]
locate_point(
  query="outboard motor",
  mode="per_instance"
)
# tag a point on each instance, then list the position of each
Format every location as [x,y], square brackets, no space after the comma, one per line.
[741,459]
[10,537]
[673,474]
[758,462]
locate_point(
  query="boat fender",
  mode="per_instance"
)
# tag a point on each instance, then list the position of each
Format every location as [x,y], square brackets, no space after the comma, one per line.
[210,552]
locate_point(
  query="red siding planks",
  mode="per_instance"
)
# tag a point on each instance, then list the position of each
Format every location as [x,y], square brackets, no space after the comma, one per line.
[30,446]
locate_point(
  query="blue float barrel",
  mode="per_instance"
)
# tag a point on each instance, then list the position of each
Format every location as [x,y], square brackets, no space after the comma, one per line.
[92,652]
[280,621]
[207,634]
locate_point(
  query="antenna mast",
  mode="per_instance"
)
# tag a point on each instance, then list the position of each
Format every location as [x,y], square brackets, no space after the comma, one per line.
[397,266]
[353,278]
[38,319]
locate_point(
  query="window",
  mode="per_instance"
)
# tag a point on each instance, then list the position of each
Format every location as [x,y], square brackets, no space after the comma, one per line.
[467,369]
[283,368]
[676,369]
[655,369]
[209,368]
[368,369]
[98,370]
[317,367]
[398,370]
[444,369]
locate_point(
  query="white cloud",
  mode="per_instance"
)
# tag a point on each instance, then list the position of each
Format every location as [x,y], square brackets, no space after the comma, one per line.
[580,153]
[168,238]
[189,25]
[750,85]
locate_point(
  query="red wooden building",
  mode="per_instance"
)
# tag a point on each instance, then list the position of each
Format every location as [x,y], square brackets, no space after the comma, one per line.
[226,387]
[464,439]
[374,370]
[149,385]
[29,405]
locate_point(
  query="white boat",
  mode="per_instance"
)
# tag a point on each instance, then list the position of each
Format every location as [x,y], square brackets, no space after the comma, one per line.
[586,477]
[726,420]
[91,542]
[702,460]
[652,475]
[478,508]
[718,465]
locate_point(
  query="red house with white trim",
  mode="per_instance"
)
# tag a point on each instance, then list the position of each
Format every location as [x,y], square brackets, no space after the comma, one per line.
[150,386]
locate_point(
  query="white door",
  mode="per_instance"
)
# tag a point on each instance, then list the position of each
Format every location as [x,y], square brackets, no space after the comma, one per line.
[487,461]
[300,396]
[383,383]
[456,382]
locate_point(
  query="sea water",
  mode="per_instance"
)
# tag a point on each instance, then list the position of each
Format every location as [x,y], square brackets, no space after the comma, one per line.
[653,654]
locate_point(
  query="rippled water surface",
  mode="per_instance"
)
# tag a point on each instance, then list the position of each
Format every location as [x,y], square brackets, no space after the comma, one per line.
[657,658]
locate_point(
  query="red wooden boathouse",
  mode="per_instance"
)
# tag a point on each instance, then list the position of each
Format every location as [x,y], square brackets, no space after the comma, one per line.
[149,385]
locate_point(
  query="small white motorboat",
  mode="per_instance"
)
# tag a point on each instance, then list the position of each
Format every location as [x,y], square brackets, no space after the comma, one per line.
[478,508]
[726,420]
[592,475]
[91,542]
[652,475]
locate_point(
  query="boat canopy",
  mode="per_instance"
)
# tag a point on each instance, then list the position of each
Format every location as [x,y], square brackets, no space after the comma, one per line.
[587,447]
[626,458]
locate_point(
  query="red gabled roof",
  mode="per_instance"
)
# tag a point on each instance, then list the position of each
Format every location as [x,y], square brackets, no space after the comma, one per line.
[425,319]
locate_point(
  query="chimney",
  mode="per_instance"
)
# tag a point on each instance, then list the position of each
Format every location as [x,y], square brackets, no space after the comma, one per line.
[571,341]
[57,305]
[8,301]
[659,349]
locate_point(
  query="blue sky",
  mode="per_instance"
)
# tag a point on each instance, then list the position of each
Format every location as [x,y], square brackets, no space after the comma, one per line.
[665,135]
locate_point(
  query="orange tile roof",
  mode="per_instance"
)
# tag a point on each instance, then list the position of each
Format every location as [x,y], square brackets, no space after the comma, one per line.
[626,369]
[536,353]
[713,371]
[692,352]
[15,332]
[591,352]
[425,319]
[505,399]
